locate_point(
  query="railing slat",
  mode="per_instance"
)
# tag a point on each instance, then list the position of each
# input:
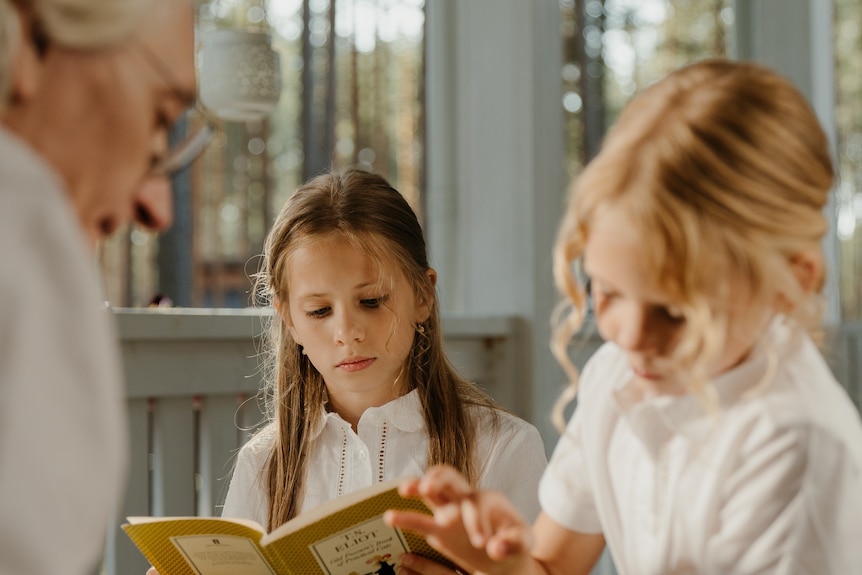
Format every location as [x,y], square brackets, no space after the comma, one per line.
[121,555]
[176,357]
[174,456]
[219,440]
[854,375]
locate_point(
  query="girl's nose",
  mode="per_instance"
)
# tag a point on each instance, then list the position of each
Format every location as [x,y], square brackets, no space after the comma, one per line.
[348,328]
[635,333]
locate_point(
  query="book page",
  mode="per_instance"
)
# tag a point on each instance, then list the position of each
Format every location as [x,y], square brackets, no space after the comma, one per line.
[332,506]
[144,519]
[221,555]
[368,548]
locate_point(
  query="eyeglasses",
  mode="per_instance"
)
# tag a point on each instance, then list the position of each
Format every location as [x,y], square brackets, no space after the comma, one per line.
[184,152]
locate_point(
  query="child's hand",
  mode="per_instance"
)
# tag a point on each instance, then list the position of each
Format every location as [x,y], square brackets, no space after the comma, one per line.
[152,571]
[417,565]
[479,530]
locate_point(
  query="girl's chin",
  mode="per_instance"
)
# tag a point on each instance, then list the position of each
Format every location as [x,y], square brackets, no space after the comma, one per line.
[653,384]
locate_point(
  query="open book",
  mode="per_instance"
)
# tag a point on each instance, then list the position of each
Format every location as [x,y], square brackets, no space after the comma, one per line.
[345,536]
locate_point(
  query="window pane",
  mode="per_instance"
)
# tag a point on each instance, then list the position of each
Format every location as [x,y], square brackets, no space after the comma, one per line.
[614,48]
[352,93]
[848,116]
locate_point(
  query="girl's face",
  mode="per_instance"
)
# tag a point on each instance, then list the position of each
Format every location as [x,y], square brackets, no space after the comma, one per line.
[632,311]
[355,333]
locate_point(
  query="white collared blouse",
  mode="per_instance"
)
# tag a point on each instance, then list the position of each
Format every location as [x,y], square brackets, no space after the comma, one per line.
[768,481]
[390,442]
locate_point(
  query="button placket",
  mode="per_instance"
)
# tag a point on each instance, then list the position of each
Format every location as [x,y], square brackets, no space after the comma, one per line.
[381,455]
[343,464]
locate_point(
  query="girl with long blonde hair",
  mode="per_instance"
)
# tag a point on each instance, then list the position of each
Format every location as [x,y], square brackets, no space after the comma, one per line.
[360,389]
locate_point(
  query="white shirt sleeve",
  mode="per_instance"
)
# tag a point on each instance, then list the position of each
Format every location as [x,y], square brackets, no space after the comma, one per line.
[790,508]
[565,491]
[247,494]
[515,463]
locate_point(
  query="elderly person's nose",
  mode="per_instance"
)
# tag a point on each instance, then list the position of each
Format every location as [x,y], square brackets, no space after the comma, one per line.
[153,203]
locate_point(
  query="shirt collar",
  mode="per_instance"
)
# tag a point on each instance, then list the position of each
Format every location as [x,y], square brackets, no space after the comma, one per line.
[404,412]
[656,419]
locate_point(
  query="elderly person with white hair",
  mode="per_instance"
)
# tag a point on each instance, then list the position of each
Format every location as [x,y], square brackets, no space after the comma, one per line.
[88,92]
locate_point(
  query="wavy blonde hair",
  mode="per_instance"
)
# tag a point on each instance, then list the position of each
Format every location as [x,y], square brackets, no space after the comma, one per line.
[364,209]
[726,171]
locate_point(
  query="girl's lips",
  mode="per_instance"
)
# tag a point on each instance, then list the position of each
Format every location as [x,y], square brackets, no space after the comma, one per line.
[357,364]
[644,374]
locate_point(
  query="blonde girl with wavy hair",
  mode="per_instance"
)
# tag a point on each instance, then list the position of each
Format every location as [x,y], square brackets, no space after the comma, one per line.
[359,387]
[709,435]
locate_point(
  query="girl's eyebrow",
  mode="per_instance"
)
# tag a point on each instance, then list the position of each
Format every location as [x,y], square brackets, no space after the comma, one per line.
[357,287]
[310,295]
[597,281]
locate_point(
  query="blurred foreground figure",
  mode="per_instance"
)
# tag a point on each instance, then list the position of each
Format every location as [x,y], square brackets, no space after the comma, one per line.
[710,435]
[88,92]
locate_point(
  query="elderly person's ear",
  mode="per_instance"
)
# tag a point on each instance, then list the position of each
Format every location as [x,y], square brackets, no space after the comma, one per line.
[26,61]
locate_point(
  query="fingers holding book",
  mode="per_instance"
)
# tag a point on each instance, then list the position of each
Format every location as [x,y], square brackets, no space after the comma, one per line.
[480,530]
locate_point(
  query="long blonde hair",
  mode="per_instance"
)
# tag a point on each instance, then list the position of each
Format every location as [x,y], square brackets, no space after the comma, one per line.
[725,171]
[365,210]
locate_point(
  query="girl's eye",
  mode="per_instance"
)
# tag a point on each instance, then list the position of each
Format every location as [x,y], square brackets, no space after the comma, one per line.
[601,301]
[318,312]
[604,296]
[373,302]
[598,289]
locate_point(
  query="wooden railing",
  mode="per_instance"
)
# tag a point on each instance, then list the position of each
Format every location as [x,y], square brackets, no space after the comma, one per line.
[192,377]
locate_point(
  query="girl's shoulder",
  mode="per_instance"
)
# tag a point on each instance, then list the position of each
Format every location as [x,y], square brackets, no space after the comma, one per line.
[500,425]
[805,395]
[260,444]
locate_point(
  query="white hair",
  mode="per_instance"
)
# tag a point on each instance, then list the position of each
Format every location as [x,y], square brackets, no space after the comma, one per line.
[89,24]
[9,32]
[81,24]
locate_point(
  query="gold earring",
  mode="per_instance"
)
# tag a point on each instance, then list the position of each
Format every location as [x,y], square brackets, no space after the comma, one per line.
[420,328]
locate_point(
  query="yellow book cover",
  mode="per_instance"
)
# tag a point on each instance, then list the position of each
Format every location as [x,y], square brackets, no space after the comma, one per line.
[345,536]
